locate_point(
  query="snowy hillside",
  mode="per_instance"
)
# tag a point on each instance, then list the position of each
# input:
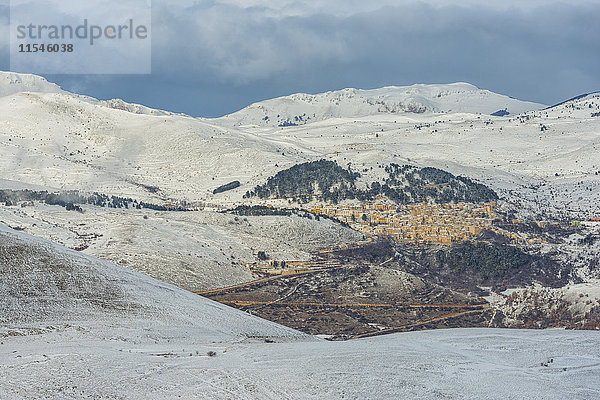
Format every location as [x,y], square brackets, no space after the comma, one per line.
[495,364]
[55,139]
[11,83]
[213,254]
[119,104]
[42,283]
[541,163]
[75,327]
[300,109]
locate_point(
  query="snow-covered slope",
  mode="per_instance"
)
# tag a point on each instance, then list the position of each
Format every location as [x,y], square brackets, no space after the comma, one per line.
[576,99]
[42,283]
[119,104]
[300,109]
[11,83]
[194,250]
[73,363]
[60,140]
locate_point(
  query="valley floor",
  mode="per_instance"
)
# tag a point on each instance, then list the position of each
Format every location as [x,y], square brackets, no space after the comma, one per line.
[105,363]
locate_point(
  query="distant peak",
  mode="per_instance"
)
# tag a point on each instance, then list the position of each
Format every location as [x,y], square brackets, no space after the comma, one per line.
[302,108]
[579,97]
[13,82]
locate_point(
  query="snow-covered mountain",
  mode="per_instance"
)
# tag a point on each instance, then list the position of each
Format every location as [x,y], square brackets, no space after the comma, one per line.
[118,334]
[11,83]
[65,137]
[300,108]
[546,160]
[119,104]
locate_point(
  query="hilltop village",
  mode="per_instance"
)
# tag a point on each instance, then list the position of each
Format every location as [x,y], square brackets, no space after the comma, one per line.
[413,206]
[423,223]
[419,224]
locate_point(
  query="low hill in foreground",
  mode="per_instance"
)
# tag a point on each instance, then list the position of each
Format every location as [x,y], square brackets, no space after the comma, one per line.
[42,284]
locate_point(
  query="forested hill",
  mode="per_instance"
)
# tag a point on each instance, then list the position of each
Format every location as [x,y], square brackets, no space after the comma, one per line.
[325,179]
[406,184]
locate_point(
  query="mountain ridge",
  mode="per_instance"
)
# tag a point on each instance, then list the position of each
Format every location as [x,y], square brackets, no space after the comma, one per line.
[12,83]
[301,108]
[347,102]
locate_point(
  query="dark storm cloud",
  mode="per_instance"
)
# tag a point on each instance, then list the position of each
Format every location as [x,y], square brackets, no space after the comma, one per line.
[211,58]
[239,45]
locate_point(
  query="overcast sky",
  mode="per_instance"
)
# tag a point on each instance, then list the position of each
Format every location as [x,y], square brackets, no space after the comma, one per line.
[213,57]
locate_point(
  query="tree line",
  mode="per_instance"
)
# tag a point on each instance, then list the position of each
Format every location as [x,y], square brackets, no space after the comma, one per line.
[72,200]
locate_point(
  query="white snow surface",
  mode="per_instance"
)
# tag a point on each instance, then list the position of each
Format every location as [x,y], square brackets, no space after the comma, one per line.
[302,108]
[42,284]
[74,327]
[73,363]
[11,83]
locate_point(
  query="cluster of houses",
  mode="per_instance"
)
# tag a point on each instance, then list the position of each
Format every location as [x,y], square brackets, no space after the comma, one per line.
[418,223]
[421,223]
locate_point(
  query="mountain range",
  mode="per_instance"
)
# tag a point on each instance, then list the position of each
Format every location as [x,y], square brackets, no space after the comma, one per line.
[112,213]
